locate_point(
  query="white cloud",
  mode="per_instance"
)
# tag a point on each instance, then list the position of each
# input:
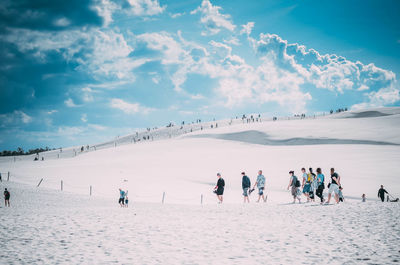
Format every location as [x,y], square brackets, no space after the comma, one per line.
[328,71]
[382,97]
[247,28]
[62,22]
[197,96]
[87,94]
[105,9]
[52,111]
[232,41]
[15,118]
[70,103]
[176,15]
[84,117]
[97,127]
[128,108]
[212,19]
[145,7]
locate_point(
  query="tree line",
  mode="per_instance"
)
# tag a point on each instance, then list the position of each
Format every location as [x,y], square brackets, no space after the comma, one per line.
[21,151]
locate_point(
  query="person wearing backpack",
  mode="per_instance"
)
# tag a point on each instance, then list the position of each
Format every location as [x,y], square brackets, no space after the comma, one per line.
[320,184]
[260,183]
[294,183]
[245,186]
[6,197]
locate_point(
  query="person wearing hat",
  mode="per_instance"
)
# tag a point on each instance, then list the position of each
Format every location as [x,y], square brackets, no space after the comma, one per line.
[294,183]
[219,189]
[245,186]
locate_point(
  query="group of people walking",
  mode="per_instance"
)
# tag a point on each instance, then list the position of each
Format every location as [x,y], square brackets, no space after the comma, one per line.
[312,182]
[310,185]
[246,186]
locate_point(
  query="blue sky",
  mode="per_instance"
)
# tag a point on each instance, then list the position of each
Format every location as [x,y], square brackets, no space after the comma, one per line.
[83,71]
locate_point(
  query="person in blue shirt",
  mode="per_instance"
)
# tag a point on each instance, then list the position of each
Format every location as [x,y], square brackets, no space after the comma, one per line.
[121,197]
[320,185]
[260,183]
[306,184]
[245,186]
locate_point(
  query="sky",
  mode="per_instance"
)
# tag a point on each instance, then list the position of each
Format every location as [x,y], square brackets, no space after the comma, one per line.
[86,71]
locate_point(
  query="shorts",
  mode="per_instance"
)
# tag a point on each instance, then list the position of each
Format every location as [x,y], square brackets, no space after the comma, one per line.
[294,191]
[7,198]
[334,188]
[261,191]
[220,191]
[307,188]
[245,192]
[121,200]
[126,201]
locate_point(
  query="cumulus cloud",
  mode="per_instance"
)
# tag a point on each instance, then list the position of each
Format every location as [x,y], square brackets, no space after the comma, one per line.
[145,7]
[382,97]
[129,108]
[70,103]
[328,71]
[212,19]
[105,9]
[247,28]
[14,118]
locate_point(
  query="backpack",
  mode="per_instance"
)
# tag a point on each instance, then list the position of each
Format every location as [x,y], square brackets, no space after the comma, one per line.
[296,182]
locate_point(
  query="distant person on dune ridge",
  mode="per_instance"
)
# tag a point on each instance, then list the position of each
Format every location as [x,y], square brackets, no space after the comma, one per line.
[294,183]
[334,186]
[6,197]
[219,188]
[363,199]
[381,193]
[260,183]
[245,186]
[320,184]
[121,200]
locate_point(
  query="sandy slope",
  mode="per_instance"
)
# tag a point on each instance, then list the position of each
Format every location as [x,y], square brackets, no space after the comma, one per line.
[365,151]
[46,226]
[50,227]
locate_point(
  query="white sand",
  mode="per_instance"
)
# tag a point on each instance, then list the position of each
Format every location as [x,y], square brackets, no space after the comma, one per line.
[46,226]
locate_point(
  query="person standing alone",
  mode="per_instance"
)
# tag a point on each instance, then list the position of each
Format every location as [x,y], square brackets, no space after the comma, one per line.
[6,197]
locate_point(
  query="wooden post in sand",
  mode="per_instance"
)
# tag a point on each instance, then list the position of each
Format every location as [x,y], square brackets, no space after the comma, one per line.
[40,182]
[201,200]
[163,197]
[90,190]
[8,176]
[62,185]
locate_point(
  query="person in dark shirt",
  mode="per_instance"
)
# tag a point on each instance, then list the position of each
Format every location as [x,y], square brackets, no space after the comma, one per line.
[381,193]
[334,186]
[6,197]
[245,186]
[219,189]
